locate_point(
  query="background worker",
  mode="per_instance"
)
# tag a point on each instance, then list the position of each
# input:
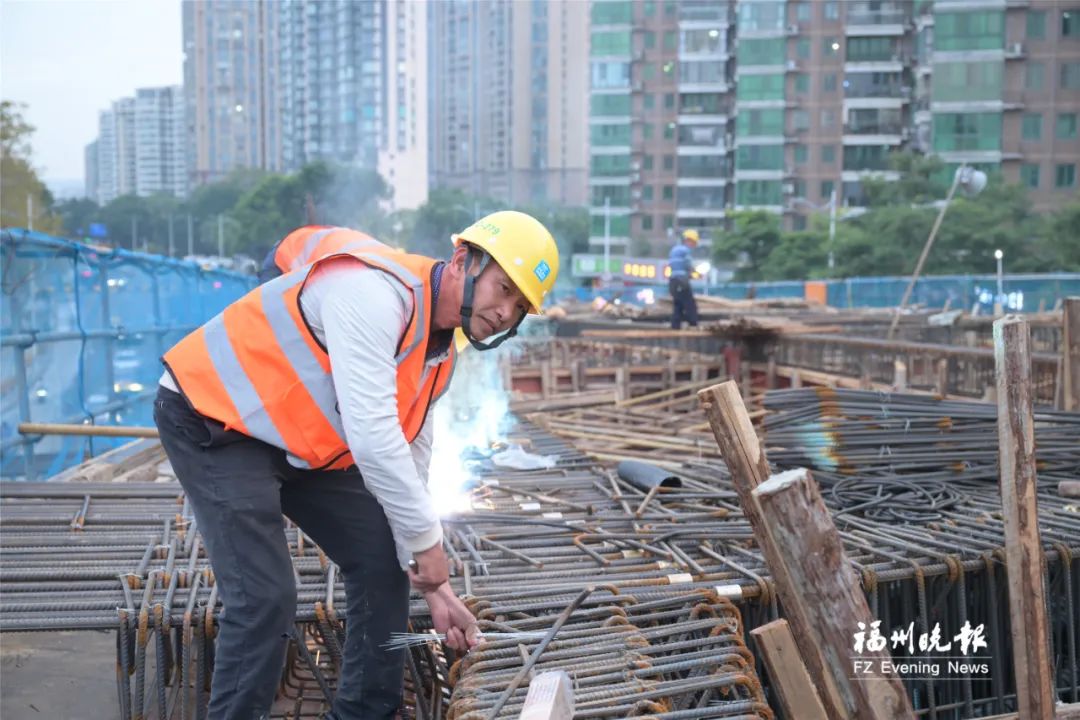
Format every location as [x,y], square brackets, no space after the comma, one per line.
[311,397]
[682,296]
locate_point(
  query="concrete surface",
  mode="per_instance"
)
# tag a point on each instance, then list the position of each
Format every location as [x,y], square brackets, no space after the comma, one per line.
[65,675]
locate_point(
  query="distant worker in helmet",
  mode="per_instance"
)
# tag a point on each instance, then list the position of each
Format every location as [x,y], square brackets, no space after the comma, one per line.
[310,398]
[682,267]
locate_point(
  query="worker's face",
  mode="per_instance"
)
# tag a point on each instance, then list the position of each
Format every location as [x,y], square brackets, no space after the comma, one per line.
[497,303]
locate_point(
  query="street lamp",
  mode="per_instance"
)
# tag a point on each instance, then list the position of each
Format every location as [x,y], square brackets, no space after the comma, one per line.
[971,182]
[999,255]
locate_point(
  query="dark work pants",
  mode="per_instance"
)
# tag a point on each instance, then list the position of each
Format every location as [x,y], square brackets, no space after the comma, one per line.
[239,488]
[685,307]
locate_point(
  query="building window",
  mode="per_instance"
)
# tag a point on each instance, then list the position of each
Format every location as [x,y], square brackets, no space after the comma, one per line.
[1065,175]
[650,8]
[648,71]
[669,192]
[1034,79]
[669,130]
[649,101]
[1070,23]
[832,10]
[669,101]
[828,154]
[646,131]
[828,118]
[828,83]
[798,223]
[650,40]
[1066,126]
[969,30]
[647,193]
[671,40]
[1070,76]
[1032,126]
[1029,175]
[646,164]
[954,132]
[800,120]
[646,222]
[1036,24]
[802,48]
[826,190]
[802,154]
[802,12]
[802,83]
[669,162]
[830,47]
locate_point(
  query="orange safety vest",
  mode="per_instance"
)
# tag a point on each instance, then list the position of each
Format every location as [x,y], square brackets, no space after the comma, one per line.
[311,242]
[258,369]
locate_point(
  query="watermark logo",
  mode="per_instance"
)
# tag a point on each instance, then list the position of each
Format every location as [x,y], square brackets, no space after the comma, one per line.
[930,655]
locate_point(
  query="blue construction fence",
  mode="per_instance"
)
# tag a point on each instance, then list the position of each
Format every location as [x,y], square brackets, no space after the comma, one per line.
[82,330]
[1020,293]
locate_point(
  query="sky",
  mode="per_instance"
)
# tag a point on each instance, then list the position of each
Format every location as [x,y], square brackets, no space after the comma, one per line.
[69,59]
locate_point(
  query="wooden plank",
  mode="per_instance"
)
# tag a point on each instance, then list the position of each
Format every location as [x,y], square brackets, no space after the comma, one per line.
[818,585]
[1070,351]
[795,692]
[1023,547]
[745,458]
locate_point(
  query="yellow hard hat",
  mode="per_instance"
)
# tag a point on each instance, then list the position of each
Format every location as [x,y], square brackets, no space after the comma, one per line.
[522,246]
[691,235]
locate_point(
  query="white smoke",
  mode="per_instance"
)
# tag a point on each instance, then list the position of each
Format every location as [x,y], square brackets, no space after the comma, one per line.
[472,418]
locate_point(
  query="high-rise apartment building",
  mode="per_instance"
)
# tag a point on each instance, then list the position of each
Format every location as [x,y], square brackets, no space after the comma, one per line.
[508,96]
[160,141]
[233,112]
[116,151]
[1004,91]
[700,108]
[140,148]
[660,119]
[354,88]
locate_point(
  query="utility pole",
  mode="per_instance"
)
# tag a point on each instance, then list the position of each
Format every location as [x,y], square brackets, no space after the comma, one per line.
[832,230]
[190,236]
[170,236]
[221,236]
[607,241]
[134,232]
[30,211]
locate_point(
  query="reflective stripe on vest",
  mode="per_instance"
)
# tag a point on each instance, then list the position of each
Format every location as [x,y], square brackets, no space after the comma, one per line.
[257,368]
[304,246]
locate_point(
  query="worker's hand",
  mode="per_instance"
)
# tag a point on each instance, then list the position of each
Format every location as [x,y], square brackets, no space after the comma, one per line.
[430,569]
[452,617]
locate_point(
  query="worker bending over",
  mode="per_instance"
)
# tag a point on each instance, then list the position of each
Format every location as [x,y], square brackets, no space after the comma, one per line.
[310,397]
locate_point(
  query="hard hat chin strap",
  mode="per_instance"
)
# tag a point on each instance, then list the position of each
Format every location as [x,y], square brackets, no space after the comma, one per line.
[467,300]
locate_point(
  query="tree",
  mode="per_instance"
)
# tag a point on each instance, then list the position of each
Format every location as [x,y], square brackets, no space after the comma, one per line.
[797,256]
[754,235]
[447,211]
[19,183]
[1058,246]
[76,215]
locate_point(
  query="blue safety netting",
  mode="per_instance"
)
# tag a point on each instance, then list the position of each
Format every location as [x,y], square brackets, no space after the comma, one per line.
[82,329]
[1019,293]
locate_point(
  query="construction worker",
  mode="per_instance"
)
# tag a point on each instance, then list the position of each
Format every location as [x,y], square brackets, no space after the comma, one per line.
[310,397]
[682,267]
[307,244]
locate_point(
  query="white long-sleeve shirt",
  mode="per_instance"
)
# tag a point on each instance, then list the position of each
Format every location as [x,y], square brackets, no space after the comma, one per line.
[359,315]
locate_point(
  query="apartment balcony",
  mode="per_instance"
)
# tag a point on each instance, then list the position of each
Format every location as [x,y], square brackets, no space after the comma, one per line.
[875,23]
[701,180]
[716,212]
[875,134]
